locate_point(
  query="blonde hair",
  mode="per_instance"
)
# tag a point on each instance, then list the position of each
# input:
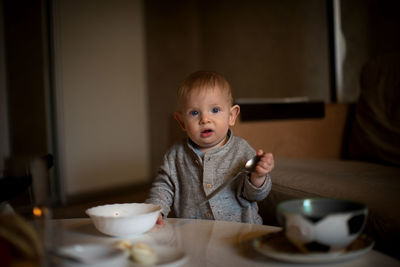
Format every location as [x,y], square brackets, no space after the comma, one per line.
[203,80]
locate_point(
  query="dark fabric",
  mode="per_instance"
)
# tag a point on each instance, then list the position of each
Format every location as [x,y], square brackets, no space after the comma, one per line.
[375,135]
[13,186]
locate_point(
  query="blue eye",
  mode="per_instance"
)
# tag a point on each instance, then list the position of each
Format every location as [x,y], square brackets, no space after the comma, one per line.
[215,110]
[194,113]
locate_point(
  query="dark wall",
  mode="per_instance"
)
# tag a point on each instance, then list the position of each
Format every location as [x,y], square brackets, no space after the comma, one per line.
[371,28]
[265,48]
[259,44]
[26,77]
[173,50]
[384,27]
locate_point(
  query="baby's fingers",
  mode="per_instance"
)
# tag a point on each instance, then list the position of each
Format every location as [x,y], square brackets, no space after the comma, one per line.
[269,158]
[267,162]
[160,220]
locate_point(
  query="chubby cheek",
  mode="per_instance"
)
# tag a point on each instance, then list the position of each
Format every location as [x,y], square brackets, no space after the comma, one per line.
[191,130]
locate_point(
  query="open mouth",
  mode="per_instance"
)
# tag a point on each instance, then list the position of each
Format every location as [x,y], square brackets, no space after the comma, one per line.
[206,132]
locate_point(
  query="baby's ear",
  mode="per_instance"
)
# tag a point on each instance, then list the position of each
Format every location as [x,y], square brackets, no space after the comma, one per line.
[179,118]
[234,113]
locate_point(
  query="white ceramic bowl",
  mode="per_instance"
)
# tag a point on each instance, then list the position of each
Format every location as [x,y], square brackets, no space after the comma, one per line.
[322,224]
[127,219]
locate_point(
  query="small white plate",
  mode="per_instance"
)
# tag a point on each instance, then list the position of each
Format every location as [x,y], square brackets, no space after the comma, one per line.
[167,257]
[88,255]
[276,246]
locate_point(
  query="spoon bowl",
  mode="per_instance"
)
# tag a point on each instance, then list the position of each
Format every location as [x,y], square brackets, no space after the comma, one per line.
[251,164]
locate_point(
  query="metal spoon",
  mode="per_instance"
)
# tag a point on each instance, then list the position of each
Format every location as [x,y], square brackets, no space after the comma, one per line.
[248,168]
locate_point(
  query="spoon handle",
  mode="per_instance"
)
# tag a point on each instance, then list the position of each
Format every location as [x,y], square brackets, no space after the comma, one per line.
[219,189]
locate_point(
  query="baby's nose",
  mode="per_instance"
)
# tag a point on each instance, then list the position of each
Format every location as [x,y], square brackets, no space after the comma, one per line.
[204,119]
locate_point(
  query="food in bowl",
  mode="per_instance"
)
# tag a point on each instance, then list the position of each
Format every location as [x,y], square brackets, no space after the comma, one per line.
[127,219]
[139,252]
[322,224]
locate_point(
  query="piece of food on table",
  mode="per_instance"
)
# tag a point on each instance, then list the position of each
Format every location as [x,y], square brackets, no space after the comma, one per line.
[123,245]
[143,254]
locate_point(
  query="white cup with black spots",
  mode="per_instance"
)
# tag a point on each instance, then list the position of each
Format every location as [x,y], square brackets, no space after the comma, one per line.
[321,225]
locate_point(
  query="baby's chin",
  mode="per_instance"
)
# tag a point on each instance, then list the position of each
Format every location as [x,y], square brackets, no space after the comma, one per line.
[204,146]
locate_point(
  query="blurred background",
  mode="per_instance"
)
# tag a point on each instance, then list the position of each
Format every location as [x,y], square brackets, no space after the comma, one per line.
[93,82]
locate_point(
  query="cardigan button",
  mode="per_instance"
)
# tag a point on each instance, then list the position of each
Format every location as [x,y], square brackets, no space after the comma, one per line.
[209,186]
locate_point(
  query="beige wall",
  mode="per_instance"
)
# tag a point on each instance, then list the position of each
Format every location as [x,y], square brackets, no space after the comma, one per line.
[101,94]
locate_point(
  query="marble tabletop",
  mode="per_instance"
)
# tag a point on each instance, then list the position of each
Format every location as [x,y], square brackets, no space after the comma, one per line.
[202,242]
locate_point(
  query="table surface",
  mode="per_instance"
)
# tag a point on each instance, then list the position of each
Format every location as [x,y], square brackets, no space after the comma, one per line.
[205,242]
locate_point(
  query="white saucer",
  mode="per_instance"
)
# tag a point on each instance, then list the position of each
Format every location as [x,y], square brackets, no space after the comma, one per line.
[167,257]
[276,246]
[87,255]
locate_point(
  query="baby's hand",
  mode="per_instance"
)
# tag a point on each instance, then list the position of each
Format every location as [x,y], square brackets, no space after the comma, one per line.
[264,166]
[160,220]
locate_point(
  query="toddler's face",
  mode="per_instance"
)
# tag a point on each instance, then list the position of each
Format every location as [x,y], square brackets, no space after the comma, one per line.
[206,116]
